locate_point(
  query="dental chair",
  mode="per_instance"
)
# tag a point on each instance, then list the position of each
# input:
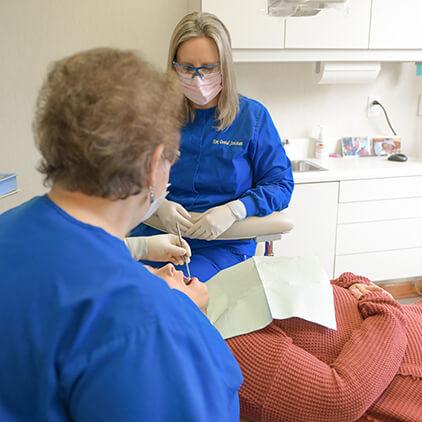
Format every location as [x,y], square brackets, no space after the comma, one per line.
[262,229]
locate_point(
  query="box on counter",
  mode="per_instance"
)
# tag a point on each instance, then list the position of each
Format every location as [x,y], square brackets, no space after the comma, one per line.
[8,183]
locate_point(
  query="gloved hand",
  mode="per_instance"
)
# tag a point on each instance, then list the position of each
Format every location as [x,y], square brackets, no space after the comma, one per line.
[171,213]
[212,223]
[162,248]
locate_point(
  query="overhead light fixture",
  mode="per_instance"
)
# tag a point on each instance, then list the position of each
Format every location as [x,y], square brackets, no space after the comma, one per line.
[300,8]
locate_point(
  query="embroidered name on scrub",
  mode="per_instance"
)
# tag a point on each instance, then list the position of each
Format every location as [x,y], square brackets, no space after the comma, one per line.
[227,143]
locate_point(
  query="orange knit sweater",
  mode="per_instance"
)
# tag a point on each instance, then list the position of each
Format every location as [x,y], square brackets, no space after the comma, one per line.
[370,369]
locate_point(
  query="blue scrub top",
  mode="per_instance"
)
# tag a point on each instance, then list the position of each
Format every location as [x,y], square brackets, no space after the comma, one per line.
[88,334]
[246,161]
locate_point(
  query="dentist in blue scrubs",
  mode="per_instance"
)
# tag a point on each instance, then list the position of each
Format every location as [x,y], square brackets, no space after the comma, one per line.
[87,333]
[232,162]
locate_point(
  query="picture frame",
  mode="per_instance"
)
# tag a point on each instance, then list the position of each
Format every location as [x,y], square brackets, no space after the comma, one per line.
[356,146]
[386,145]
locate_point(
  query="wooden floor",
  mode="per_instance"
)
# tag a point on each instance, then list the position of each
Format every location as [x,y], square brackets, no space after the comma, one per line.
[404,291]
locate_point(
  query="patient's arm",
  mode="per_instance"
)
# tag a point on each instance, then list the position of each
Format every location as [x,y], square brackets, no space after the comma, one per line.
[283,382]
[348,279]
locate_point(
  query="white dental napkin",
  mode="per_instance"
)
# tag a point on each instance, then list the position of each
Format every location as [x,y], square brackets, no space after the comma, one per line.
[249,295]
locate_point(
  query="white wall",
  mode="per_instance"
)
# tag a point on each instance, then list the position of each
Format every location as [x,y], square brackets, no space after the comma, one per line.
[298,104]
[36,32]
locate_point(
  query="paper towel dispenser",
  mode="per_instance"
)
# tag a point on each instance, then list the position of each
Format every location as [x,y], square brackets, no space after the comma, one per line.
[346,72]
[298,8]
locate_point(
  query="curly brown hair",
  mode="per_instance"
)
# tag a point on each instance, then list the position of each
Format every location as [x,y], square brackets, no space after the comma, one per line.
[99,116]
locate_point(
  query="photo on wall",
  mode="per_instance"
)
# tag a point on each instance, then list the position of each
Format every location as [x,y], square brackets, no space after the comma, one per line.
[356,146]
[386,145]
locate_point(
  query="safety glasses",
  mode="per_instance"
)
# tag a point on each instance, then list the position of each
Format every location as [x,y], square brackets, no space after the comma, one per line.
[201,71]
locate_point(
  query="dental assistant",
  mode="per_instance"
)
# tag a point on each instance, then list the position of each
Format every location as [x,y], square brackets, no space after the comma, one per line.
[232,163]
[87,333]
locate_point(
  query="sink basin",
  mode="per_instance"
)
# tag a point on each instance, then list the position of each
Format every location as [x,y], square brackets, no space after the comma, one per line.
[301,166]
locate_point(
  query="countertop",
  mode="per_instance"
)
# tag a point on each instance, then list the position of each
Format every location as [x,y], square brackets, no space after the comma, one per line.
[354,168]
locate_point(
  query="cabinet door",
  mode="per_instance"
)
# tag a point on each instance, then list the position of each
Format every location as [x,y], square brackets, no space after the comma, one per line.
[331,28]
[313,209]
[396,24]
[248,22]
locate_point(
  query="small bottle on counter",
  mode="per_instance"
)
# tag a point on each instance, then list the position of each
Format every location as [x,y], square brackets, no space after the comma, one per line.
[321,150]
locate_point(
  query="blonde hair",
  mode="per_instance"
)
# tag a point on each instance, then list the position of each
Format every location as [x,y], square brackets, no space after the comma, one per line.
[100,115]
[199,24]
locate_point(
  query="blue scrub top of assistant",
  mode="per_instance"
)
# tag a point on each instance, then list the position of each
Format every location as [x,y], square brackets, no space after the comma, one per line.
[88,334]
[246,161]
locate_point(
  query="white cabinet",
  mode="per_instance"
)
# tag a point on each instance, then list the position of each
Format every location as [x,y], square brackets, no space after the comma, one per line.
[248,23]
[332,28]
[378,189]
[313,209]
[372,31]
[379,228]
[396,24]
[370,227]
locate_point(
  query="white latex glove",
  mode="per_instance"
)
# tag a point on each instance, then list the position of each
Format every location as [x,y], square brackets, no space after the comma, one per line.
[171,213]
[212,223]
[162,248]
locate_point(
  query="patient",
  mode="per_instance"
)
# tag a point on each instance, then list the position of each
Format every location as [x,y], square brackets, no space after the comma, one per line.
[370,369]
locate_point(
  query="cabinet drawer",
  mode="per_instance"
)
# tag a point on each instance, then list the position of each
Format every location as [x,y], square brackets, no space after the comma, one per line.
[353,212]
[379,236]
[376,189]
[379,266]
